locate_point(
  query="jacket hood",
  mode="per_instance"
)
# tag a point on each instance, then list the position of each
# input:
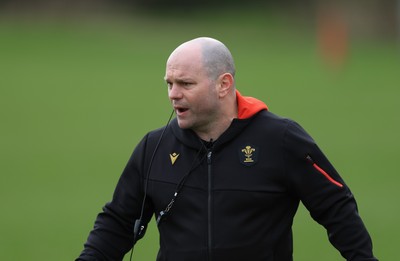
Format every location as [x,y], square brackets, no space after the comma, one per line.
[248,106]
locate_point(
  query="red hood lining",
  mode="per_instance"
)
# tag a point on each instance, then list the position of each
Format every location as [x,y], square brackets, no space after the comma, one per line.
[248,106]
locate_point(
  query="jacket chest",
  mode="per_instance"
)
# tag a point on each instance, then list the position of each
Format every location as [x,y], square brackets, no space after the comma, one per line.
[245,168]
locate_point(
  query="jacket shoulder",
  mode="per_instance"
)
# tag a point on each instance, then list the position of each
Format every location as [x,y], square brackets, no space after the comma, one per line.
[269,119]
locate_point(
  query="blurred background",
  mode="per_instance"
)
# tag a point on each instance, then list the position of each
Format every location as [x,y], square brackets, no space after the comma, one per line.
[81,82]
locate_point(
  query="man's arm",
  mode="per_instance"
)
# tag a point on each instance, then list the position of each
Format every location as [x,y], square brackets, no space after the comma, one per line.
[112,235]
[324,193]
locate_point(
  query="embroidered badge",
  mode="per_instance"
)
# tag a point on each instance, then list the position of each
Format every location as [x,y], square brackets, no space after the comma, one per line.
[174,156]
[248,155]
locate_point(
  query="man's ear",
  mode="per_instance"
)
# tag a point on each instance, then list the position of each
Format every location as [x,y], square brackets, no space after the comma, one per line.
[226,83]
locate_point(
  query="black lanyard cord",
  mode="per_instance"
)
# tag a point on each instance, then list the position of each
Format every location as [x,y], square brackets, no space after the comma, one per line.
[139,226]
[179,187]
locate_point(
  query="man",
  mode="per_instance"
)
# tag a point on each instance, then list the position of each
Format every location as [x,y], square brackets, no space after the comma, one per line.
[224,179]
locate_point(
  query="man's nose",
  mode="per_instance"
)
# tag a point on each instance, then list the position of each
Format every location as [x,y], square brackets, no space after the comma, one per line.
[174,93]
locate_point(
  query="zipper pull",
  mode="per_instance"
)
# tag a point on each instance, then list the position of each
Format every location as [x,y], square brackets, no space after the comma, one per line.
[209,151]
[310,159]
[209,154]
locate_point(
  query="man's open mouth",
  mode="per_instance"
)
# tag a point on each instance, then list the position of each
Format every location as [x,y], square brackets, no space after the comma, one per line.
[180,109]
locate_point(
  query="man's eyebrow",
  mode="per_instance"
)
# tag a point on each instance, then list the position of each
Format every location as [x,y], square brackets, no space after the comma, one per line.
[184,80]
[180,80]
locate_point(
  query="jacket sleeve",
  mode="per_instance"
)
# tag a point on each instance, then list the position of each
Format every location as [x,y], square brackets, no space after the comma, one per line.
[314,180]
[112,235]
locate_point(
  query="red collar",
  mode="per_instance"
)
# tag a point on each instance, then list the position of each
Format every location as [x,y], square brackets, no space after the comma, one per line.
[248,106]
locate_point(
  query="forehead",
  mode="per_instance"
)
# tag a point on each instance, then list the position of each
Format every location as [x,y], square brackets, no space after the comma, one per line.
[185,62]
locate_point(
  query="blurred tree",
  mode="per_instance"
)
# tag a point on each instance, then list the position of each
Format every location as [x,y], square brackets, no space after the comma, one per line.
[376,18]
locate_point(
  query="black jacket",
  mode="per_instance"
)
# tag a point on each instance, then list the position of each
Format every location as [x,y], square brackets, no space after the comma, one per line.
[238,198]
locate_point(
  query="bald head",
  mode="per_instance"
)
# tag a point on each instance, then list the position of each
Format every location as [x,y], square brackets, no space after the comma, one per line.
[199,75]
[215,57]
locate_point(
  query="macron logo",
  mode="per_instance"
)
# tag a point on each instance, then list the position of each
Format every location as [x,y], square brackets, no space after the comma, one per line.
[174,156]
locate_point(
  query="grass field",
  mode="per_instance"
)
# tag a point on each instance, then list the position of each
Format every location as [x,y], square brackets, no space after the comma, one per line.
[76,97]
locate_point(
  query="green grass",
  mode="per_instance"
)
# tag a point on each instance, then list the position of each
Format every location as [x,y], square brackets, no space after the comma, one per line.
[75,98]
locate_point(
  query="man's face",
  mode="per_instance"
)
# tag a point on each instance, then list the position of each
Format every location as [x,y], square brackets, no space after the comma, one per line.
[192,94]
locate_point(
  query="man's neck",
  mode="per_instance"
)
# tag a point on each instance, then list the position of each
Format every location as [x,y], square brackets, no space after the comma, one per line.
[226,117]
[215,131]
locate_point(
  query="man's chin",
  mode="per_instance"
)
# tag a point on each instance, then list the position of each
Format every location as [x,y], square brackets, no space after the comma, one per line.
[183,125]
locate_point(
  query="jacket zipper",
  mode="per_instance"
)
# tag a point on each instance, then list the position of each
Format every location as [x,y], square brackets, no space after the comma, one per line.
[323,172]
[209,154]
